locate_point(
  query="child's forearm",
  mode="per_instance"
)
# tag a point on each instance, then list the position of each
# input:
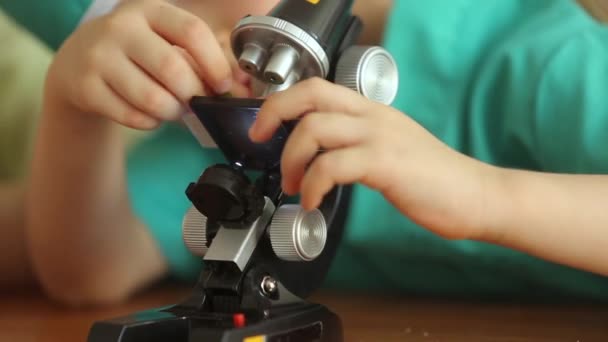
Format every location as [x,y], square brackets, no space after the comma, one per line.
[561,218]
[14,264]
[81,232]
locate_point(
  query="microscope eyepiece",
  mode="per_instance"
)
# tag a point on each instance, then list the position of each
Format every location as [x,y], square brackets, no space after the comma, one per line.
[253,58]
[281,64]
[300,39]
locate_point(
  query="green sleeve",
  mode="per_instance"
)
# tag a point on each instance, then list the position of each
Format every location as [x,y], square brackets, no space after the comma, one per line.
[543,106]
[571,122]
[50,21]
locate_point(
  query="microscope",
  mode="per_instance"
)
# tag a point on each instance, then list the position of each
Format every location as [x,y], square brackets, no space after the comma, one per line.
[261,255]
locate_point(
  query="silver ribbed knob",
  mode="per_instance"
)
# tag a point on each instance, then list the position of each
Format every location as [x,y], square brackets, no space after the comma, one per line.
[297,234]
[370,71]
[194,232]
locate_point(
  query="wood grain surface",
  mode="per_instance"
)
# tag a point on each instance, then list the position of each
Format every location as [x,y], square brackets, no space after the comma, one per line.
[30,317]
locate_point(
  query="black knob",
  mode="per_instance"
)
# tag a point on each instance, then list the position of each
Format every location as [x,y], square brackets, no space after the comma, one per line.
[221,193]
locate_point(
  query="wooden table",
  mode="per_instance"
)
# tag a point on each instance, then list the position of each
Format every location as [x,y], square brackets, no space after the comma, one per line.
[29,317]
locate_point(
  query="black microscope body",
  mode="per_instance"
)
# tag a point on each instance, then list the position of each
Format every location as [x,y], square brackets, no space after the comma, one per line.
[261,256]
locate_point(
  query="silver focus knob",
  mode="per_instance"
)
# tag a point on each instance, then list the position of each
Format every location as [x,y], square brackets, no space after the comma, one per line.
[194,232]
[297,234]
[370,71]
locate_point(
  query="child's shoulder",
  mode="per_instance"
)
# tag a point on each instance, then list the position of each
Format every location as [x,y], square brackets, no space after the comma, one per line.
[474,25]
[467,65]
[453,42]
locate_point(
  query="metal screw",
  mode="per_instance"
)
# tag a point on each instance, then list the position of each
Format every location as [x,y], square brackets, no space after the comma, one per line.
[269,286]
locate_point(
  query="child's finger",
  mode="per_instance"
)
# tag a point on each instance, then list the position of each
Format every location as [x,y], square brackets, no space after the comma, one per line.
[191,33]
[238,74]
[337,167]
[143,92]
[99,96]
[307,96]
[240,90]
[166,64]
[316,132]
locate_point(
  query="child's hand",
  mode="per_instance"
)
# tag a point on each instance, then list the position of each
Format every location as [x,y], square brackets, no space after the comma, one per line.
[138,65]
[378,146]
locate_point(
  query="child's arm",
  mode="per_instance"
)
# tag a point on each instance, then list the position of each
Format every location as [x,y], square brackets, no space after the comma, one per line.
[559,217]
[86,244]
[560,214]
[14,264]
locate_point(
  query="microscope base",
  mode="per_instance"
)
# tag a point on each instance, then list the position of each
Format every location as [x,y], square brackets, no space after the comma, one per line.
[303,322]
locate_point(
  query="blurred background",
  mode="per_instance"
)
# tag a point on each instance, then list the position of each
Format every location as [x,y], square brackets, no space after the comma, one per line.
[23,64]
